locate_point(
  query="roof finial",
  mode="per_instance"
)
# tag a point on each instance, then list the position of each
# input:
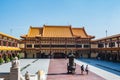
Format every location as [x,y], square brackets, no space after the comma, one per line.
[44,25]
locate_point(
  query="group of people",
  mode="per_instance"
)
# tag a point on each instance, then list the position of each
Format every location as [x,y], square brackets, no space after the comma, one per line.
[86,69]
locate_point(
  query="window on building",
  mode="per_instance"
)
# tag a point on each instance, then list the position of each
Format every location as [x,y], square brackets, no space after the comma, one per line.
[36,46]
[13,44]
[112,44]
[45,46]
[86,46]
[100,45]
[58,46]
[79,46]
[9,44]
[29,45]
[4,43]
[70,45]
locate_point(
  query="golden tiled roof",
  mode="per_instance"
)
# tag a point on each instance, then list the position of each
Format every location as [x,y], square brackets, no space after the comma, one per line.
[57,31]
[9,48]
[79,32]
[34,31]
[6,35]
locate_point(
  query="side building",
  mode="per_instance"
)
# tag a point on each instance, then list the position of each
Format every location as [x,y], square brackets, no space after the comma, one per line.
[55,41]
[9,47]
[107,48]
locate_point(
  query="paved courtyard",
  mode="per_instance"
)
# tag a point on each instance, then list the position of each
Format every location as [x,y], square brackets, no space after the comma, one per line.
[56,69]
[103,73]
[113,67]
[30,65]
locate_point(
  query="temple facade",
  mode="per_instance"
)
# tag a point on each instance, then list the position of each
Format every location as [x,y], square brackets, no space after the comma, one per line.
[107,48]
[9,47]
[52,41]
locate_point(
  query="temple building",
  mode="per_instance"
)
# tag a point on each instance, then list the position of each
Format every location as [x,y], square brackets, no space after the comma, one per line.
[9,47]
[52,41]
[56,42]
[107,48]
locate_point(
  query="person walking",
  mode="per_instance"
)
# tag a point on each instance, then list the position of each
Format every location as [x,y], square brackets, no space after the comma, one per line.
[82,69]
[86,69]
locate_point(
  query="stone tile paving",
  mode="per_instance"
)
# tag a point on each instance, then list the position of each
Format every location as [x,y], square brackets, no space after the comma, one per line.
[35,65]
[5,68]
[40,64]
[58,71]
[24,62]
[103,73]
[113,67]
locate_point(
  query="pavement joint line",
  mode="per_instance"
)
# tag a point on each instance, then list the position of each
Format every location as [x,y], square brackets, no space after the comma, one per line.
[35,60]
[23,68]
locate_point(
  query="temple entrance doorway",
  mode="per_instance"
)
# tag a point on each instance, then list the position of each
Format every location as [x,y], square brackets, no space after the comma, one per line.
[59,55]
[38,55]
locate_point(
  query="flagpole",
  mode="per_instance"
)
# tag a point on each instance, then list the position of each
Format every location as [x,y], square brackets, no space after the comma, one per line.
[106,33]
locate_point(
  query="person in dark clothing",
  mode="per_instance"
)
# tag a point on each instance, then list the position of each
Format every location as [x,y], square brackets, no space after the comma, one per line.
[82,69]
[86,69]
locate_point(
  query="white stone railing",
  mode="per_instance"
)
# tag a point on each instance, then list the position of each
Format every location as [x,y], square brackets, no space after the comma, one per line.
[1,78]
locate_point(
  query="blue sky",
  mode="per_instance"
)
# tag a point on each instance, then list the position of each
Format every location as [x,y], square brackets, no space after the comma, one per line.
[97,16]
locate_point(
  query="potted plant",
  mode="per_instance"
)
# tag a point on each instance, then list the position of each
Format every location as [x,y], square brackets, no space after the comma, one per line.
[1,60]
